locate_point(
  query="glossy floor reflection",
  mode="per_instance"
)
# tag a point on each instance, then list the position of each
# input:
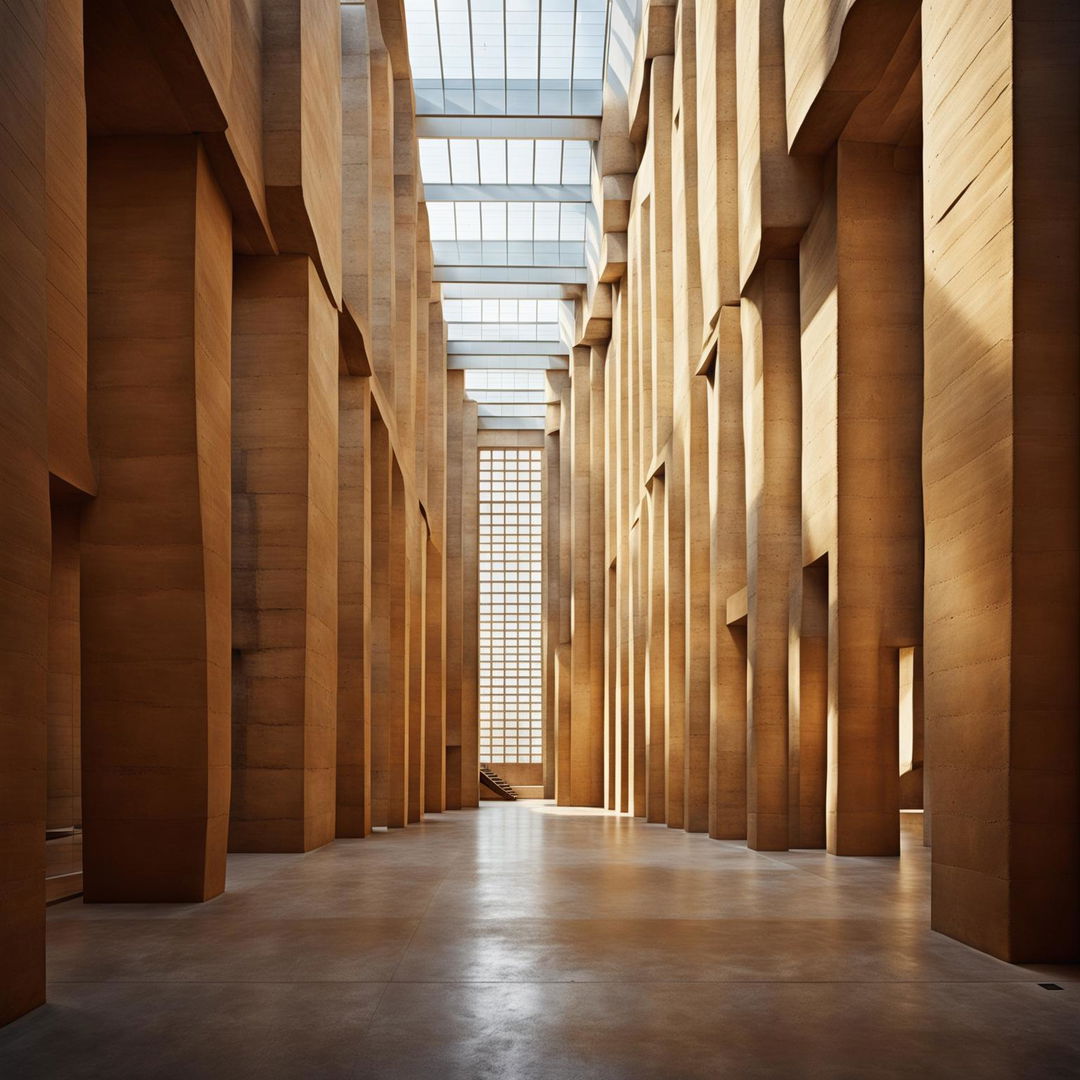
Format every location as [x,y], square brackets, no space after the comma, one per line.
[526,942]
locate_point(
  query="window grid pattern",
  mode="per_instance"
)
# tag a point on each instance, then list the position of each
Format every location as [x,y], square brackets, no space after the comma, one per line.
[511,724]
[501,320]
[508,57]
[505,161]
[507,393]
[507,234]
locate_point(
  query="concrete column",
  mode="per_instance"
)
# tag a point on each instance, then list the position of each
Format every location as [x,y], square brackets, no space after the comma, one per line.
[470,622]
[356,145]
[658,265]
[771,411]
[354,607]
[301,54]
[727,531]
[455,410]
[381,690]
[381,242]
[435,681]
[155,566]
[404,195]
[698,634]
[563,654]
[878,568]
[674,528]
[592,738]
[1000,459]
[398,662]
[654,522]
[24,507]
[417,547]
[553,608]
[435,722]
[809,705]
[285,550]
[585,741]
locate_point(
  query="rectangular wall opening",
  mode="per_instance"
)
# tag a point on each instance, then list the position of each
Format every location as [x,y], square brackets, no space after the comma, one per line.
[511,713]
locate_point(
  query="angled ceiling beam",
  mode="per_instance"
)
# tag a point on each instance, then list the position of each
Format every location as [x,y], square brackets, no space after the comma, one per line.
[506,348]
[526,275]
[560,193]
[472,291]
[496,422]
[508,127]
[475,362]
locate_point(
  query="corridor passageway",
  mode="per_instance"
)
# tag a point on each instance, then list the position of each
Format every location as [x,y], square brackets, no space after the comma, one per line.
[527,941]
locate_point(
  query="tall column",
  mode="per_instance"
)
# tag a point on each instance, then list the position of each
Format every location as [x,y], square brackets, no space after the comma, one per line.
[285,551]
[1000,472]
[418,543]
[551,495]
[301,54]
[435,647]
[379,658]
[727,511]
[435,680]
[398,665]
[879,558]
[639,620]
[563,651]
[354,607]
[470,622]
[381,249]
[155,568]
[585,743]
[654,520]
[593,736]
[674,528]
[405,209]
[698,633]
[455,412]
[24,507]
[771,411]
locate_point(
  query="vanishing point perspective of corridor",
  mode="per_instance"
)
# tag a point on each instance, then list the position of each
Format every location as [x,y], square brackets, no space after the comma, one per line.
[539,539]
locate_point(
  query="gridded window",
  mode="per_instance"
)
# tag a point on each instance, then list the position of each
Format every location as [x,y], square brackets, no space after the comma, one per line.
[511,726]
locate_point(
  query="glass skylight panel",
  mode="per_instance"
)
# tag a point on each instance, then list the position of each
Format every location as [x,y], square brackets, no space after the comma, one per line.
[435,161]
[506,161]
[572,222]
[504,380]
[493,219]
[548,162]
[492,161]
[464,162]
[519,161]
[468,220]
[576,162]
[441,217]
[424,56]
[507,57]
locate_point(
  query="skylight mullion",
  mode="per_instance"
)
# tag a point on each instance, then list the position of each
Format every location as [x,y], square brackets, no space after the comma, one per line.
[472,65]
[539,48]
[442,68]
[573,53]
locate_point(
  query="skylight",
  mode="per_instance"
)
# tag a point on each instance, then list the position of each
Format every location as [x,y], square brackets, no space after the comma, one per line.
[508,57]
[505,161]
[508,92]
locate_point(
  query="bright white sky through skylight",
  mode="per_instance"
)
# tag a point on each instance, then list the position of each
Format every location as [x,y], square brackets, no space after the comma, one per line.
[504,205]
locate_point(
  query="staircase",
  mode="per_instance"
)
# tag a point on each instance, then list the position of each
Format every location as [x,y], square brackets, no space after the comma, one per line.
[496,783]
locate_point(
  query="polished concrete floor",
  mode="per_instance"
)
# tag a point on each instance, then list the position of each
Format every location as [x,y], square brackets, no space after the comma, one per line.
[526,942]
